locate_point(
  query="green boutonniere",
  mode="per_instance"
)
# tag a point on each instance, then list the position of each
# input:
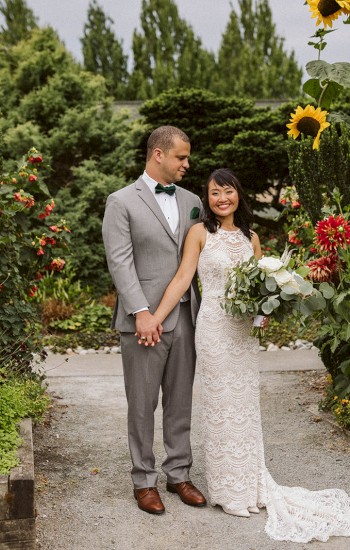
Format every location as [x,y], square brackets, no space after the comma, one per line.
[194,213]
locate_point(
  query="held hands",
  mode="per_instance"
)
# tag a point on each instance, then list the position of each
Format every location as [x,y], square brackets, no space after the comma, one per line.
[148,329]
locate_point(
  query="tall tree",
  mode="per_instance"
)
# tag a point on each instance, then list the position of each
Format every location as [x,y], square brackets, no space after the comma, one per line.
[252,61]
[103,53]
[19,21]
[167,53]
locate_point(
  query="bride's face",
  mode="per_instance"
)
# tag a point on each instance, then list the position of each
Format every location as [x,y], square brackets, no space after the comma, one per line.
[223,201]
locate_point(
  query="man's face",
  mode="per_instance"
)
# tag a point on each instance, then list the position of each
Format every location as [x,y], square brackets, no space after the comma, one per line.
[174,163]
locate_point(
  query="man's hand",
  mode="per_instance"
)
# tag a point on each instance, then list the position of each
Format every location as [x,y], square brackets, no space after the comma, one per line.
[148,329]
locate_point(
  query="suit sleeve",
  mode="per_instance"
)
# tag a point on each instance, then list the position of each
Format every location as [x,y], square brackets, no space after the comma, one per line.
[120,255]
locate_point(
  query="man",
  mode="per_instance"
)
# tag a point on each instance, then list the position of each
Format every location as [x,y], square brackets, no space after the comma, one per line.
[144,229]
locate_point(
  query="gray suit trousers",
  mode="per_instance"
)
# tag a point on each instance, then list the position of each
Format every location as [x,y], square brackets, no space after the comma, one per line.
[169,365]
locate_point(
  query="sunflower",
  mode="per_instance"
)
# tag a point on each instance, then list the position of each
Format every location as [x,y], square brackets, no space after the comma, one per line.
[308,121]
[328,10]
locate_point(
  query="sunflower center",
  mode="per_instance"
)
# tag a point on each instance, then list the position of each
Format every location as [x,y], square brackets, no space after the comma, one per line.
[308,126]
[328,7]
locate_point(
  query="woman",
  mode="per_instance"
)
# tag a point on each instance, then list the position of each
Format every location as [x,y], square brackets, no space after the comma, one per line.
[227,357]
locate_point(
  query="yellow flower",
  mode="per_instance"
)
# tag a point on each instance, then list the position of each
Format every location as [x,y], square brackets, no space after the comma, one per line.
[327,11]
[308,121]
[335,397]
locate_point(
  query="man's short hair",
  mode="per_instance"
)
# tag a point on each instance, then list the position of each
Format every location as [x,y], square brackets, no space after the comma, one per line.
[163,138]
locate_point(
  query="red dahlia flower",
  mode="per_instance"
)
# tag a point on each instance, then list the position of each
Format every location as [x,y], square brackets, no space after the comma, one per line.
[323,268]
[332,233]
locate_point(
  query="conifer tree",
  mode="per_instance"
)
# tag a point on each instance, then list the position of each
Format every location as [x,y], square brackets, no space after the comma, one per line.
[252,61]
[167,53]
[102,52]
[19,20]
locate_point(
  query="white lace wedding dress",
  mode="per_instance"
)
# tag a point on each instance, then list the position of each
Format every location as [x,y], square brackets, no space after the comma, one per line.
[228,364]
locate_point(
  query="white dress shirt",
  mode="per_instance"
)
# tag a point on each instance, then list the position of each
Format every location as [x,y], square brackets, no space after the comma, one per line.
[167,203]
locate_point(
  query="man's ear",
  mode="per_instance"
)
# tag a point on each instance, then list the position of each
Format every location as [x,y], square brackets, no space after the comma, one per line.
[158,154]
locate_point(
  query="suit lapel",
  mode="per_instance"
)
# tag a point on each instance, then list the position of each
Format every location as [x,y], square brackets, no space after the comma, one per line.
[148,198]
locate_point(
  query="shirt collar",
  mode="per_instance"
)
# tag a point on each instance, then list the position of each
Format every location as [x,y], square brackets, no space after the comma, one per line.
[150,181]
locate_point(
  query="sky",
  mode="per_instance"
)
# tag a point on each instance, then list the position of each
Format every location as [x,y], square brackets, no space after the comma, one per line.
[208,19]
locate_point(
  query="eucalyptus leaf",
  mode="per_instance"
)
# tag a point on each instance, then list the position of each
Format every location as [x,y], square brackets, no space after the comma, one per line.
[305,309]
[267,308]
[289,289]
[315,302]
[271,284]
[327,290]
[287,297]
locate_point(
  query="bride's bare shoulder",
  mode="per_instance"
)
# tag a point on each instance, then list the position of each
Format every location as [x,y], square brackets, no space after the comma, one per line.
[198,233]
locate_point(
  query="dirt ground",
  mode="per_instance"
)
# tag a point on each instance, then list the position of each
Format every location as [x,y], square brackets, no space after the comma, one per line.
[83,487]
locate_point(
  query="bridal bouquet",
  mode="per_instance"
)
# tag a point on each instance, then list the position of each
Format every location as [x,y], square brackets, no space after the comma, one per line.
[270,287]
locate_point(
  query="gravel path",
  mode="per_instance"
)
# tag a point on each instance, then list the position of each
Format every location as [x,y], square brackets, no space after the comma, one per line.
[84,492]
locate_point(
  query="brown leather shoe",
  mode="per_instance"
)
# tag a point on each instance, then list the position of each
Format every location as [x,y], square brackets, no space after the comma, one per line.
[148,500]
[188,493]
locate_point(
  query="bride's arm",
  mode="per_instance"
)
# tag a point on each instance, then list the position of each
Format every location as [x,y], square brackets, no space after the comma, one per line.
[194,243]
[256,245]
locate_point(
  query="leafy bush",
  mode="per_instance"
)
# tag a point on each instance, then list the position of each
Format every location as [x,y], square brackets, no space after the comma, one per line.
[19,398]
[92,318]
[29,247]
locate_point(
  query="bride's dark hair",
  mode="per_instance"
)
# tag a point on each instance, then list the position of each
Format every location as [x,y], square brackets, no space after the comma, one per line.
[224,177]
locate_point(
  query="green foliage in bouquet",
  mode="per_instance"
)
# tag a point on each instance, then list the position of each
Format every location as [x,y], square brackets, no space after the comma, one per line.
[271,287]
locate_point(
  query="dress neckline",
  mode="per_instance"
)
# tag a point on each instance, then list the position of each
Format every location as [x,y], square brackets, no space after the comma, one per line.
[229,230]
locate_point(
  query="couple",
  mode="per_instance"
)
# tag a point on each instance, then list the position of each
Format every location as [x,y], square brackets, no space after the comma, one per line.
[144,229]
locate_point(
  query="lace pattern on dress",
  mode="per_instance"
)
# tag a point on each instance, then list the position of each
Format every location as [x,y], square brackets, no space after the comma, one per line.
[228,365]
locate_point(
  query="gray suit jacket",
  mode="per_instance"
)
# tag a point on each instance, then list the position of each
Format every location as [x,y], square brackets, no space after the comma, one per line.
[142,253]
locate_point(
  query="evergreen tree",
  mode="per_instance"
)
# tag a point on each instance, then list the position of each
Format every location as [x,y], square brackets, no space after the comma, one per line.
[103,53]
[252,61]
[19,21]
[166,53]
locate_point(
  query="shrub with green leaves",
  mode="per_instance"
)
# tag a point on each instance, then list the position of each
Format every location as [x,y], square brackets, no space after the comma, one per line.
[19,398]
[30,246]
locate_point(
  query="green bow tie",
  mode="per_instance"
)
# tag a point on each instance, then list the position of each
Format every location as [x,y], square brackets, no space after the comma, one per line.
[169,189]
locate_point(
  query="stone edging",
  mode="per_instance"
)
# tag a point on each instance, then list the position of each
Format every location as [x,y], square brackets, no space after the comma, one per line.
[17,508]
[326,416]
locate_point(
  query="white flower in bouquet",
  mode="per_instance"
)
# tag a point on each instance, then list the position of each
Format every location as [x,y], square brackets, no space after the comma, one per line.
[269,264]
[282,277]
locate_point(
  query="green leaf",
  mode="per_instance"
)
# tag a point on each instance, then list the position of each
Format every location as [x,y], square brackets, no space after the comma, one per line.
[288,289]
[338,117]
[315,302]
[312,87]
[345,367]
[327,290]
[303,271]
[336,72]
[271,284]
[286,297]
